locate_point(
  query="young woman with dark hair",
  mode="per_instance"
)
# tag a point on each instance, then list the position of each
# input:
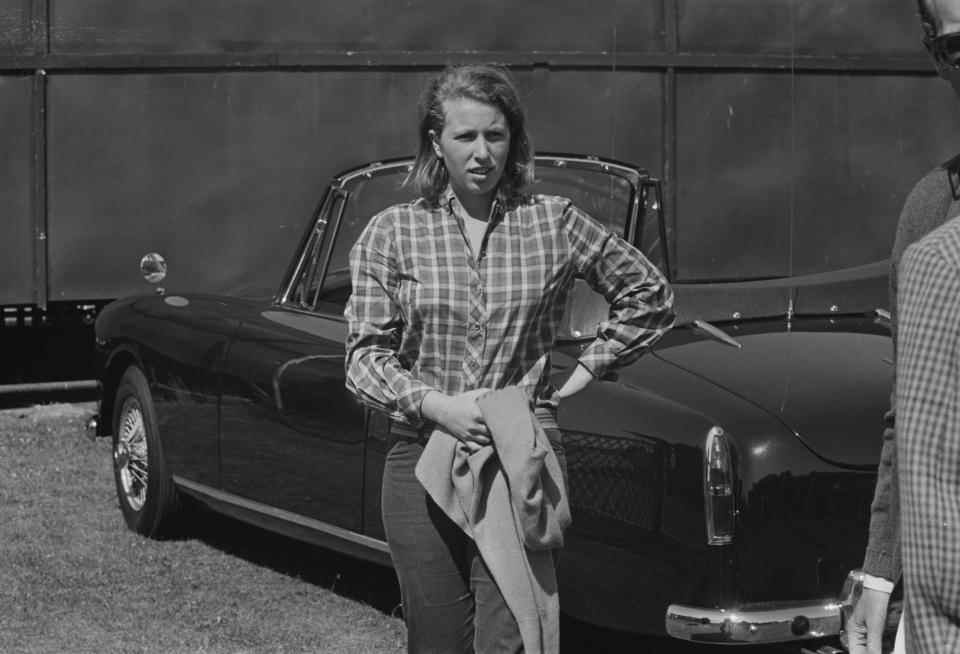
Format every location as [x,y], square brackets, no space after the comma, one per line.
[463,291]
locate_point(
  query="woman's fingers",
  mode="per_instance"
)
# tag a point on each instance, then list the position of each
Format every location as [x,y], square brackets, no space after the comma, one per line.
[479,433]
[472,447]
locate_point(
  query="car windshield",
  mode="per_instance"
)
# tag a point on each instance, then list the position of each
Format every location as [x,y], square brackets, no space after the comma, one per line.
[606,193]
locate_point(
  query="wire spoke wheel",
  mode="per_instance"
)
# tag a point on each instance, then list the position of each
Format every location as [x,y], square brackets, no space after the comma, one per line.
[146,492]
[130,453]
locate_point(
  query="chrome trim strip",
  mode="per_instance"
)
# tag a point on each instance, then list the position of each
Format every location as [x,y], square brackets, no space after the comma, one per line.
[718,334]
[318,226]
[280,514]
[768,622]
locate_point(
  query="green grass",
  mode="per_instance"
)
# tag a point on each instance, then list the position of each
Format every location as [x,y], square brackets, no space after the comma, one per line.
[74,579]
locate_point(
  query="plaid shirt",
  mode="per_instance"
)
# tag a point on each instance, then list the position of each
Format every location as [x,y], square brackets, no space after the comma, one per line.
[928,438]
[425,314]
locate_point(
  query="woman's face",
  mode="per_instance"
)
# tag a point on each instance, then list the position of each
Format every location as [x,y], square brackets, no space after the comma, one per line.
[474,145]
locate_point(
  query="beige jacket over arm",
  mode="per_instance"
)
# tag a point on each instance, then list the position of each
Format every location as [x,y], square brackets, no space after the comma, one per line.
[510,499]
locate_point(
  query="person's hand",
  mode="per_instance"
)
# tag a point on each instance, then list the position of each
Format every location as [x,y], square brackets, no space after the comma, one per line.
[460,415]
[576,382]
[866,622]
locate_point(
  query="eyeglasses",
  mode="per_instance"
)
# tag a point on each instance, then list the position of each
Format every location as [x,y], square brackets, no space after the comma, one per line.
[945,50]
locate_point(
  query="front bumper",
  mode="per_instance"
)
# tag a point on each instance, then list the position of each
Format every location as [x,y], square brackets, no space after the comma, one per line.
[765,622]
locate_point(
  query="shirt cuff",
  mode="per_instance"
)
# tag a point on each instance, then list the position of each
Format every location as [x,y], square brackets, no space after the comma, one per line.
[881,561]
[877,583]
[411,402]
[599,357]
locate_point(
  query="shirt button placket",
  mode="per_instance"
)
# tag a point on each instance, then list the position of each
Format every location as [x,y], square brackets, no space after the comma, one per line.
[474,350]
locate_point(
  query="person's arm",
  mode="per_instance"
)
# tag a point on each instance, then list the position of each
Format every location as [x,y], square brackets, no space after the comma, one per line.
[374,372]
[928,403]
[641,301]
[882,561]
[925,209]
[576,382]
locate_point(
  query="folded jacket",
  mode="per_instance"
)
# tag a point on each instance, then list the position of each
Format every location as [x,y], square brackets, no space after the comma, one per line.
[510,499]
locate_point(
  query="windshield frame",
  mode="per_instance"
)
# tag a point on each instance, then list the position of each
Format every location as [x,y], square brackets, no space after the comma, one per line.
[326,223]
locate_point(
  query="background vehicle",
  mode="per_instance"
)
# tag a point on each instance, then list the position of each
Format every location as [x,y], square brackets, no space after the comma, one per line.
[729,469]
[129,125]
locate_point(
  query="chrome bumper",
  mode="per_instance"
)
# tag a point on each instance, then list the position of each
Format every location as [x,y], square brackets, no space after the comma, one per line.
[765,622]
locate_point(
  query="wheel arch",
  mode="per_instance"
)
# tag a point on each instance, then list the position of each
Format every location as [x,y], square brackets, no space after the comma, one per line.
[118,361]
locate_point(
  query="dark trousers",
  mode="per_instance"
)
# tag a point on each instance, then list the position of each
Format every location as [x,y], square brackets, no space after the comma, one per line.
[451,604]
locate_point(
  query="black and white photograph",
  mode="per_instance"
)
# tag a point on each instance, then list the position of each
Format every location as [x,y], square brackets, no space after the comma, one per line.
[462,327]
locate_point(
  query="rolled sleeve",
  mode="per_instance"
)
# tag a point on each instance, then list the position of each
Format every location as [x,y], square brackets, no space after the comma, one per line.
[641,300]
[374,371]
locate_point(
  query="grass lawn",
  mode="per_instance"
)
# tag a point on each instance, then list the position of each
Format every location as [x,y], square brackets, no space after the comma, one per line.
[74,579]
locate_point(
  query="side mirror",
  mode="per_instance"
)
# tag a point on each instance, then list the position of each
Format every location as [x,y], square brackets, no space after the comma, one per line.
[153,267]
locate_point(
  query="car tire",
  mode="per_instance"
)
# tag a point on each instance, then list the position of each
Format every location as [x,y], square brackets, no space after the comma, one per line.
[148,497]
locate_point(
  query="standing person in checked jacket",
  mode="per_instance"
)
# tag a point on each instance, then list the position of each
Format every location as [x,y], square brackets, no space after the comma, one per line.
[928,406]
[934,200]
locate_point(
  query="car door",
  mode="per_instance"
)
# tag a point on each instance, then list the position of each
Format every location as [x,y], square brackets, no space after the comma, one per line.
[292,436]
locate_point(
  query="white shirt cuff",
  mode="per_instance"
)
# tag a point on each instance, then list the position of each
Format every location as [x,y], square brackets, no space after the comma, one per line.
[877,583]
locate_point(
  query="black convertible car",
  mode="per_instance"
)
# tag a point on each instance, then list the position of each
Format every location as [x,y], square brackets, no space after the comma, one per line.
[719,486]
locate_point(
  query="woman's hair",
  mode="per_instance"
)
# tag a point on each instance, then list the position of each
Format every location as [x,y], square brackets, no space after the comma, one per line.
[487,84]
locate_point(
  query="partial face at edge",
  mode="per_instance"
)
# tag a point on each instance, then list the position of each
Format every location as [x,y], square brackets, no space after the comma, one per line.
[474,146]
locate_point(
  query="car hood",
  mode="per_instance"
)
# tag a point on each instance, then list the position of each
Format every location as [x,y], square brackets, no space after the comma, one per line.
[825,379]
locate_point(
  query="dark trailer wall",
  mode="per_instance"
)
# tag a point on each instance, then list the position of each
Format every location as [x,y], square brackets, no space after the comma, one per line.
[788,131]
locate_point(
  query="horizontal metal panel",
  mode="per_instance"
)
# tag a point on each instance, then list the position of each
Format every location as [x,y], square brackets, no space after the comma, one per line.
[800,26]
[16,32]
[916,62]
[781,174]
[219,172]
[16,187]
[861,142]
[611,114]
[734,174]
[241,26]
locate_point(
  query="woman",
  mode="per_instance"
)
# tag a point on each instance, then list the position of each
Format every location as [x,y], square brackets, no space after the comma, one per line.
[463,291]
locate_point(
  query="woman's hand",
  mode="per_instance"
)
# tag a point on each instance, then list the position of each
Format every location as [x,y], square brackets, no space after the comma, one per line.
[460,415]
[576,382]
